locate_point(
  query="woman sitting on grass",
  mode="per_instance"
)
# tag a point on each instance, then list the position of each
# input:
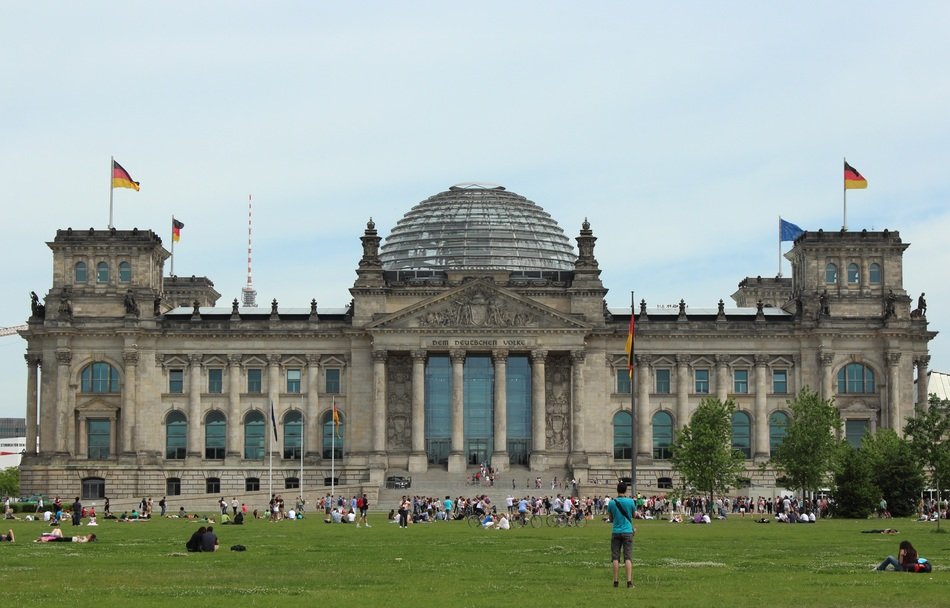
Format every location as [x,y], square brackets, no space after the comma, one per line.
[906,559]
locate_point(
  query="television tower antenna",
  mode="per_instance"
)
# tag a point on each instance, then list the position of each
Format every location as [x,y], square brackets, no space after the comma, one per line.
[248,293]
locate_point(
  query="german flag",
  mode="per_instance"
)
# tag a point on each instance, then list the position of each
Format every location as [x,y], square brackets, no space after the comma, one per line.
[629,346]
[176,229]
[852,179]
[121,178]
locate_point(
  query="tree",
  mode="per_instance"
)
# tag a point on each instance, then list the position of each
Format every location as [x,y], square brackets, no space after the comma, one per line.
[806,454]
[702,449]
[928,432]
[856,495]
[894,470]
[10,481]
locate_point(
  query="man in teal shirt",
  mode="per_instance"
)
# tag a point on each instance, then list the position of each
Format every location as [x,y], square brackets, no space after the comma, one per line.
[621,511]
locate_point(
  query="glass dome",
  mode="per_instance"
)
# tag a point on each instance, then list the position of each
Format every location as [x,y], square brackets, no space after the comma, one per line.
[477,226]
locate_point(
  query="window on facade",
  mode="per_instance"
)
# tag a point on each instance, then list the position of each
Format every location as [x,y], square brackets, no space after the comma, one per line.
[80,273]
[664,483]
[701,381]
[176,381]
[102,272]
[99,439]
[252,484]
[854,431]
[293,380]
[779,381]
[255,383]
[831,274]
[742,434]
[212,485]
[332,377]
[333,435]
[855,378]
[125,272]
[623,381]
[662,435]
[663,381]
[173,486]
[291,483]
[740,381]
[874,274]
[623,436]
[778,426]
[853,274]
[176,436]
[93,488]
[216,380]
[293,435]
[216,429]
[254,434]
[99,377]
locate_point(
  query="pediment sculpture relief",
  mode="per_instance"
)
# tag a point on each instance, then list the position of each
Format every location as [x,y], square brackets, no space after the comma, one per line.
[478,308]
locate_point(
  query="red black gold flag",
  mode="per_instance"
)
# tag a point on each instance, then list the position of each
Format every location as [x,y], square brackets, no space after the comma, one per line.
[176,229]
[852,179]
[121,178]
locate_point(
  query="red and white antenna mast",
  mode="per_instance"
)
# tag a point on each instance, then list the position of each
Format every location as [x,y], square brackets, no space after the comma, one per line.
[248,293]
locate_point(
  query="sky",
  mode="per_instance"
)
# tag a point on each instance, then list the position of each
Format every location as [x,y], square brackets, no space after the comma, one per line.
[681,131]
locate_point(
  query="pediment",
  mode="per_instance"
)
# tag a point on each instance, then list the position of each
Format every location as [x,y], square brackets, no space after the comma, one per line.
[477,305]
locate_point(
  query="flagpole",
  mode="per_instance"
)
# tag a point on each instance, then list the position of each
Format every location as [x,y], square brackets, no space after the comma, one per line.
[779,247]
[302,433]
[270,450]
[111,170]
[633,415]
[333,450]
[844,189]
[173,247]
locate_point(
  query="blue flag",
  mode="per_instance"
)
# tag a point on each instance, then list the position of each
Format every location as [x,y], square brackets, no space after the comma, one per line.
[788,231]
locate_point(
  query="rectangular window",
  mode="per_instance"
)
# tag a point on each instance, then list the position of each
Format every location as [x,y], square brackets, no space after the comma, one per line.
[854,431]
[216,380]
[701,381]
[663,381]
[176,381]
[332,377]
[173,486]
[623,381]
[293,380]
[740,381]
[255,383]
[213,485]
[779,382]
[99,439]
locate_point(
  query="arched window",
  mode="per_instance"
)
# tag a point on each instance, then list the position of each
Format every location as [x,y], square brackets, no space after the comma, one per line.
[662,435]
[102,272]
[80,273]
[293,435]
[333,434]
[216,433]
[853,274]
[99,377]
[254,434]
[742,434]
[125,272]
[874,274]
[623,436]
[855,378]
[778,426]
[831,274]
[176,435]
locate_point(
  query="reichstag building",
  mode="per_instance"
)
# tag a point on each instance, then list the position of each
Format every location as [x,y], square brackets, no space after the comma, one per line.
[477,333]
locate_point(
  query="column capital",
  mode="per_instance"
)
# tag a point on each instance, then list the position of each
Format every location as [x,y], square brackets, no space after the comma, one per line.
[64,357]
[578,356]
[893,358]
[682,359]
[235,360]
[539,355]
[419,355]
[457,356]
[274,359]
[313,360]
[131,357]
[380,355]
[644,360]
[922,362]
[761,360]
[825,358]
[195,359]
[499,356]
[37,360]
[722,360]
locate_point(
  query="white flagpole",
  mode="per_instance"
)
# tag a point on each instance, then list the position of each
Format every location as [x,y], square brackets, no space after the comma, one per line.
[779,246]
[333,449]
[844,189]
[111,171]
[302,434]
[172,272]
[270,467]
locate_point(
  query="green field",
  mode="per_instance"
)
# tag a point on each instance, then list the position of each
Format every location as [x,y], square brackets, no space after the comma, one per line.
[450,564]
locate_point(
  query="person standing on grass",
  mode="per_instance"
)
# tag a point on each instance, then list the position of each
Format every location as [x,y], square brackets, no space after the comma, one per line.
[363,504]
[621,511]
[77,512]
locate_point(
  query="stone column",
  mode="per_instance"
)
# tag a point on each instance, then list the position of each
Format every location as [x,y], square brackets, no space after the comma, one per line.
[893,392]
[457,460]
[273,397]
[722,377]
[760,445]
[379,401]
[59,427]
[234,407]
[133,433]
[825,359]
[500,455]
[418,462]
[194,406]
[32,390]
[644,428]
[311,438]
[577,402]
[538,411]
[682,390]
[82,450]
[923,382]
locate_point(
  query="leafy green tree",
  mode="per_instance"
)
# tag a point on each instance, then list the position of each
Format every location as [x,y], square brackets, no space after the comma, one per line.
[895,471]
[807,452]
[856,494]
[10,481]
[702,449]
[928,432]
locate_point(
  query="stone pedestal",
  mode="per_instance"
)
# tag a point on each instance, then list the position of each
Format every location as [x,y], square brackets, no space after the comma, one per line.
[418,463]
[457,463]
[499,460]
[539,461]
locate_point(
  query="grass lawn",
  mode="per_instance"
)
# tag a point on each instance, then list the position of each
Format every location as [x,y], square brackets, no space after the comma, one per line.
[735,562]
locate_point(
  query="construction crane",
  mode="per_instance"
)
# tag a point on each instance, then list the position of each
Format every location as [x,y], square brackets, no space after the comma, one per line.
[9,331]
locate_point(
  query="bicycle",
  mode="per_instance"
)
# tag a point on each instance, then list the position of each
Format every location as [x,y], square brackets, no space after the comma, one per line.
[526,519]
[561,520]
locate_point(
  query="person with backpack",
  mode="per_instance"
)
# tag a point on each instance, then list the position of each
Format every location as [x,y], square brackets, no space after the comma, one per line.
[907,560]
[362,503]
[621,510]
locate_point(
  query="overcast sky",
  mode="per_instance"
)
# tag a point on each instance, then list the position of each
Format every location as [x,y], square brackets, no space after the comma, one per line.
[680,130]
